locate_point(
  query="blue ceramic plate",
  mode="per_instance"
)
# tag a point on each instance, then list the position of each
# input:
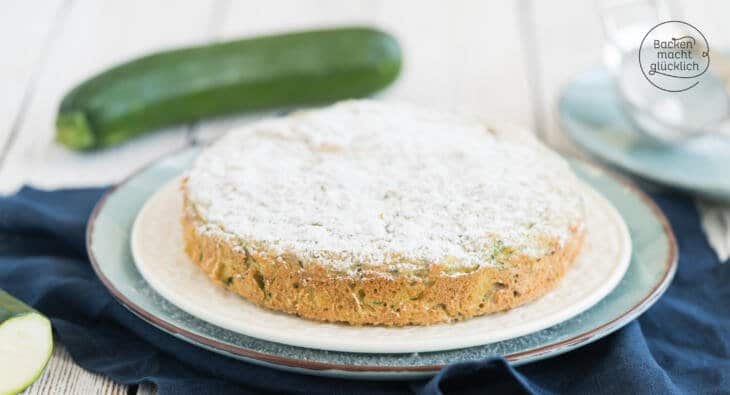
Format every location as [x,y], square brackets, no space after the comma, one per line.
[591,114]
[652,266]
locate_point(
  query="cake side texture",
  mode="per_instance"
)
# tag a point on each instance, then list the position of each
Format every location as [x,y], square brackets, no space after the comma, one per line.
[379,213]
[376,295]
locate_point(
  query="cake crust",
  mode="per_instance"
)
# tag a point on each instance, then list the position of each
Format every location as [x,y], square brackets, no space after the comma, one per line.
[377,295]
[375,213]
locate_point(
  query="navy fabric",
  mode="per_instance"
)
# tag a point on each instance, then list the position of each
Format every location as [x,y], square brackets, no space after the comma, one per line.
[681,345]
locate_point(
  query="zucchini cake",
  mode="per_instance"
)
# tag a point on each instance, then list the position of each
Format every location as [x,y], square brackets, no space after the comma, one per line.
[377,213]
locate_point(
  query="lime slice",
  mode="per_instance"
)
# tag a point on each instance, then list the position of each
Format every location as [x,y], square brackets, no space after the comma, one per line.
[26,342]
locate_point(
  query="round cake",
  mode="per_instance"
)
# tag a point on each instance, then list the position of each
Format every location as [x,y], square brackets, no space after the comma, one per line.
[378,213]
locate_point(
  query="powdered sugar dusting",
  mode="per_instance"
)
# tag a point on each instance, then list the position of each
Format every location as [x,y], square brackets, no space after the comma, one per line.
[370,181]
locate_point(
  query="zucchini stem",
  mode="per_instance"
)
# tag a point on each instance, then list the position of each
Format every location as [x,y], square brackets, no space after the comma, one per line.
[73,131]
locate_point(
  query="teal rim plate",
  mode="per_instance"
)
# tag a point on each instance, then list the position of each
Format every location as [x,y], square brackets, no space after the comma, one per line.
[653,263]
[592,115]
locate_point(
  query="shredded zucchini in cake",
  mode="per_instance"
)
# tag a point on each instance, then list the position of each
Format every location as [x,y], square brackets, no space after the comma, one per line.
[379,183]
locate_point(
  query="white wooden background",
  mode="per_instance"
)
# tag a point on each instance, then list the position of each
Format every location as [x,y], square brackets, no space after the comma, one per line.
[508,59]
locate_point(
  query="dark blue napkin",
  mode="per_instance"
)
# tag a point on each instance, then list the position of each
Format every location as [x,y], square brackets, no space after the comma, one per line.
[681,345]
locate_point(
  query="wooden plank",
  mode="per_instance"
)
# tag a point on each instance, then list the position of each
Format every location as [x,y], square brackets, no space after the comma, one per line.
[264,17]
[709,17]
[97,35]
[569,40]
[716,225]
[464,57]
[63,376]
[146,389]
[25,34]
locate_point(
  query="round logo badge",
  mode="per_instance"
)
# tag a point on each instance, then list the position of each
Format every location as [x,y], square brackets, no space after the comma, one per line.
[673,55]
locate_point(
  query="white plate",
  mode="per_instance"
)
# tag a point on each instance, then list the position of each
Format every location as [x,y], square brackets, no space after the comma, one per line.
[157,248]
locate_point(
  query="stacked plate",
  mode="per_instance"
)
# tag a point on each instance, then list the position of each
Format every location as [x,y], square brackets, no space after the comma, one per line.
[135,243]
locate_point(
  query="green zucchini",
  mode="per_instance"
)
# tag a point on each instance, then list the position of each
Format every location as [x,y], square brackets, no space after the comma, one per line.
[26,342]
[189,84]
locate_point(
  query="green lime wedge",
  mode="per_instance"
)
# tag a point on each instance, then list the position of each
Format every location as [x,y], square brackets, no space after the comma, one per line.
[26,343]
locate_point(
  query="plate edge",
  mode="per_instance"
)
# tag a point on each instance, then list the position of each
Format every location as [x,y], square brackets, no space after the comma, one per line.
[525,356]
